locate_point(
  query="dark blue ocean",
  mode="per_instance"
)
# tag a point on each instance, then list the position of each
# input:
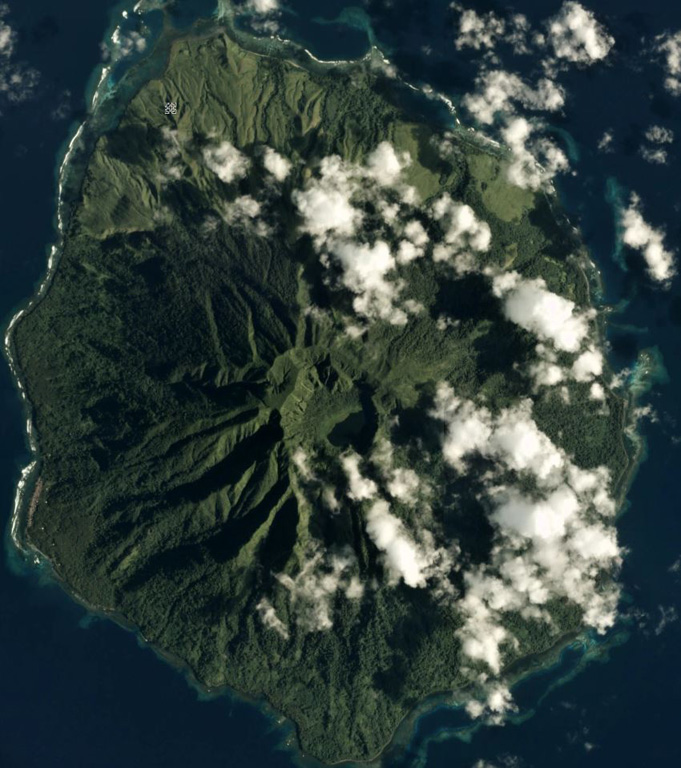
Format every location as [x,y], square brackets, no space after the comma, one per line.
[78,691]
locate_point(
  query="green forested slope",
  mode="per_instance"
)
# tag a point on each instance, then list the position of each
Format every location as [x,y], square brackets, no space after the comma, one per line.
[174,372]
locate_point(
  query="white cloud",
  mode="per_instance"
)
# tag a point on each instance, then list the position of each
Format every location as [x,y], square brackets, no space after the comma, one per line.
[464,234]
[7,34]
[301,462]
[479,31]
[511,437]
[384,165]
[549,542]
[127,44]
[277,165]
[325,204]
[545,519]
[657,137]
[407,252]
[365,268]
[360,488]
[588,365]
[226,162]
[657,155]
[416,233]
[402,483]
[481,635]
[468,428]
[658,134]
[638,234]
[17,82]
[669,45]
[605,142]
[172,167]
[413,559]
[596,392]
[496,703]
[535,160]
[482,32]
[244,211]
[546,373]
[321,578]
[529,304]
[241,209]
[517,441]
[498,91]
[263,6]
[577,37]
[403,557]
[269,618]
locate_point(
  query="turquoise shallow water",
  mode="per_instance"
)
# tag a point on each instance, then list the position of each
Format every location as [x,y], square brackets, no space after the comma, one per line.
[76,692]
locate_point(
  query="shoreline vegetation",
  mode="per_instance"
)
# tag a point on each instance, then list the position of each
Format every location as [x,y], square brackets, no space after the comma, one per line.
[76,164]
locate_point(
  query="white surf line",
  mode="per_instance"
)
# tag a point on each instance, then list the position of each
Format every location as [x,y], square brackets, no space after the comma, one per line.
[28,470]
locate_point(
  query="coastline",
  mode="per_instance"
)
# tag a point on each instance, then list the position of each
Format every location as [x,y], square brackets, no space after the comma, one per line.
[70,175]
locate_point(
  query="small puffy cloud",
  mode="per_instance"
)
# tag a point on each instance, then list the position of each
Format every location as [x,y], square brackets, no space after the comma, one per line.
[658,134]
[483,31]
[464,234]
[385,165]
[7,34]
[656,155]
[596,392]
[605,142]
[416,233]
[494,704]
[669,45]
[657,137]
[365,270]
[407,252]
[403,557]
[226,162]
[325,204]
[301,462]
[275,164]
[521,446]
[127,44]
[244,212]
[360,488]
[546,373]
[413,246]
[269,618]
[321,578]
[402,483]
[576,36]
[535,160]
[639,235]
[241,209]
[529,304]
[17,82]
[481,635]
[544,519]
[263,6]
[588,365]
[498,91]
[479,31]
[468,428]
[172,168]
[414,559]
